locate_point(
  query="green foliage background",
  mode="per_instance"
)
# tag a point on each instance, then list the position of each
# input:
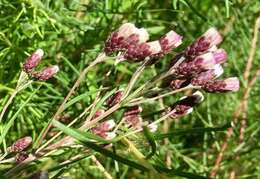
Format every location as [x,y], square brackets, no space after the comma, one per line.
[72,32]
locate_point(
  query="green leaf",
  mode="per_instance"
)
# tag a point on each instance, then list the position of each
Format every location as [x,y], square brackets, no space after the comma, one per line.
[172,172]
[79,135]
[61,166]
[149,136]
[75,134]
[79,97]
[192,130]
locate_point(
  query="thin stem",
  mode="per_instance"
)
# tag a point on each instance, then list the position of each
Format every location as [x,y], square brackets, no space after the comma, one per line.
[139,156]
[149,125]
[140,101]
[59,133]
[100,58]
[134,78]
[15,92]
[101,168]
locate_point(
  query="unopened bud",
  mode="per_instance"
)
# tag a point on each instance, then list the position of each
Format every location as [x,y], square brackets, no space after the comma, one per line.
[21,156]
[103,129]
[179,83]
[21,144]
[33,61]
[46,73]
[206,76]
[132,117]
[227,85]
[220,56]
[185,105]
[170,41]
[209,39]
[114,99]
[127,35]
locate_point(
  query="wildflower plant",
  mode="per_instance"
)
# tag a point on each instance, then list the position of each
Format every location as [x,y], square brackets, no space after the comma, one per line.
[194,70]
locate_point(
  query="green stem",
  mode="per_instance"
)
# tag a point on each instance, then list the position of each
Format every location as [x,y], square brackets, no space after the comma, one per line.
[139,156]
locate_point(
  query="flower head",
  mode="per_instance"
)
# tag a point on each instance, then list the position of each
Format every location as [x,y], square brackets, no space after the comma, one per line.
[103,129]
[208,75]
[229,84]
[21,156]
[170,40]
[126,36]
[33,60]
[115,98]
[21,144]
[46,73]
[185,105]
[208,40]
[142,51]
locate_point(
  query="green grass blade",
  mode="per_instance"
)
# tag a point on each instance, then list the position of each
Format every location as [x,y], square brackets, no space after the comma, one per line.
[79,135]
[172,172]
[11,121]
[192,130]
[83,139]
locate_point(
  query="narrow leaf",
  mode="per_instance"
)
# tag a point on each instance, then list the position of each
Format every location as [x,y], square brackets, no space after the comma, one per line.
[192,130]
[75,134]
[172,172]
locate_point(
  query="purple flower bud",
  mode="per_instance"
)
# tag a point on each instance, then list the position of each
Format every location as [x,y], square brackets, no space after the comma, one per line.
[33,61]
[46,73]
[116,98]
[126,36]
[170,40]
[185,105]
[21,156]
[142,51]
[229,84]
[103,128]
[132,117]
[196,66]
[21,144]
[209,39]
[206,76]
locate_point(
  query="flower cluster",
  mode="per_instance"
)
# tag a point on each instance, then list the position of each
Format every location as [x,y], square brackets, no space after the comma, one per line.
[200,65]
[18,148]
[33,61]
[132,43]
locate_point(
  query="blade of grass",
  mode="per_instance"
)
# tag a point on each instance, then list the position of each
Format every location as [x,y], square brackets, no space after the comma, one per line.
[11,121]
[84,140]
[192,130]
